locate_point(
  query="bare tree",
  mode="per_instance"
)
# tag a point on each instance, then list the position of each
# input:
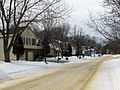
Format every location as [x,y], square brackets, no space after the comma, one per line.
[99,25]
[47,22]
[107,24]
[78,40]
[20,13]
[60,32]
[50,18]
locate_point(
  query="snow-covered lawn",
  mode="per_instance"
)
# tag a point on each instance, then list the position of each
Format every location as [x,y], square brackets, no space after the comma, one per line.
[20,67]
[108,76]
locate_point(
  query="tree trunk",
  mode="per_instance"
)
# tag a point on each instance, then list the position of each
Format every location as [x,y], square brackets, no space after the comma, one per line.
[90,52]
[45,57]
[7,56]
[17,57]
[45,54]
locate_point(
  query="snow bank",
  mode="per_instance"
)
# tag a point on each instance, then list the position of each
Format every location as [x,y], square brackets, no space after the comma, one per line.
[117,55]
[109,76]
[70,59]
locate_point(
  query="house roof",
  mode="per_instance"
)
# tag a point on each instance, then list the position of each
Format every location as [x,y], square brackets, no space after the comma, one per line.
[54,47]
[11,31]
[20,30]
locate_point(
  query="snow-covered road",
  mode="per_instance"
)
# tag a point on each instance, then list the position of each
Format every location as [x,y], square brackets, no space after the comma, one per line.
[98,73]
[107,76]
[69,77]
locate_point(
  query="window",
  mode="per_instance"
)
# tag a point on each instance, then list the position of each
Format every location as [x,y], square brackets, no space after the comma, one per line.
[28,41]
[23,38]
[33,42]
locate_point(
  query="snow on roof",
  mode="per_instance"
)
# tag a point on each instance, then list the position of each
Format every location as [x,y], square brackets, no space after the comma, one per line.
[54,47]
[51,45]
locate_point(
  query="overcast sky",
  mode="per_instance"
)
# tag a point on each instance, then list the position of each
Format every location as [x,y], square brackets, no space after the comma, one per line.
[79,15]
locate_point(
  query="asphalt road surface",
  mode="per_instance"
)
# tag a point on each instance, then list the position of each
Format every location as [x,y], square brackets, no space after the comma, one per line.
[70,77]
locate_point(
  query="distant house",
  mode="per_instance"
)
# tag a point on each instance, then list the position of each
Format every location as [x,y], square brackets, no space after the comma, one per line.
[64,46]
[55,49]
[89,51]
[30,45]
[74,50]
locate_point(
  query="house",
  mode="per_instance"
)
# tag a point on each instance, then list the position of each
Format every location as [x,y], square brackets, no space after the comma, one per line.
[88,51]
[74,50]
[59,48]
[64,46]
[55,49]
[30,45]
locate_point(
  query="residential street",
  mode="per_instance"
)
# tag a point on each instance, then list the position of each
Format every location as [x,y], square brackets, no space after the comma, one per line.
[79,76]
[59,45]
